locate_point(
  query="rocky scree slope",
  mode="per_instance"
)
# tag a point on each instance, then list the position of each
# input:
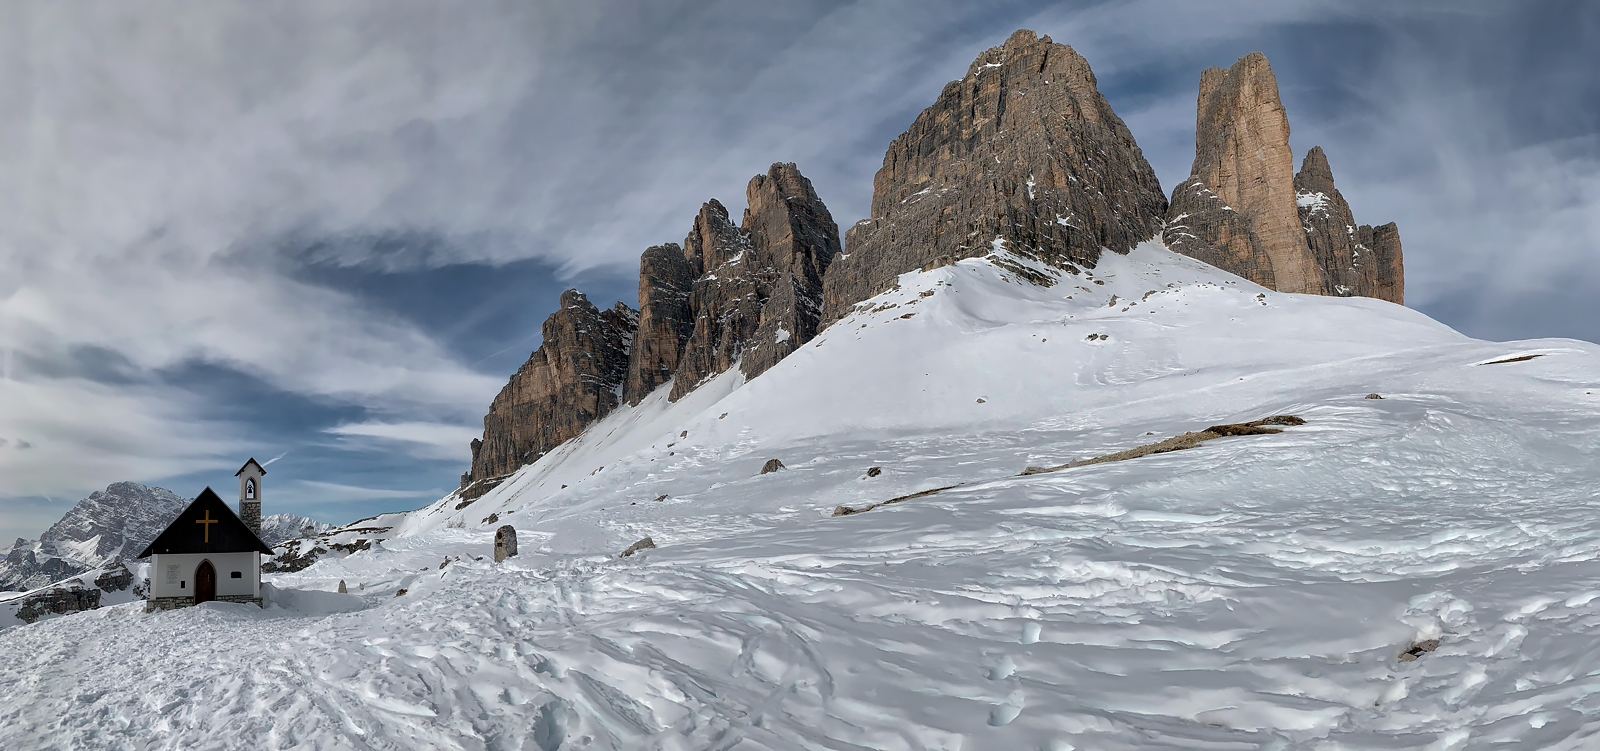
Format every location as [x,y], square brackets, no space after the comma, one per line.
[1243,208]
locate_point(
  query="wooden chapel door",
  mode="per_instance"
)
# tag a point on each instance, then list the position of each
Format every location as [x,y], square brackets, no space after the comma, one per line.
[205,583]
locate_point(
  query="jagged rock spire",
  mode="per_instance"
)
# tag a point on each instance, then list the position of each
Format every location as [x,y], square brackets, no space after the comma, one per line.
[1022,153]
[573,379]
[745,295]
[1245,210]
[1362,261]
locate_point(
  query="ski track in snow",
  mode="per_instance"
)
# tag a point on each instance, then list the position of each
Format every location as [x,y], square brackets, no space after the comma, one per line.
[1251,593]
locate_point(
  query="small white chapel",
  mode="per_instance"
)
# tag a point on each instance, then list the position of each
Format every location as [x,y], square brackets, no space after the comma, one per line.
[209,552]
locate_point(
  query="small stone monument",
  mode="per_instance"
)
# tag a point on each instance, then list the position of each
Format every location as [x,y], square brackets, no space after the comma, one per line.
[342,590]
[505,543]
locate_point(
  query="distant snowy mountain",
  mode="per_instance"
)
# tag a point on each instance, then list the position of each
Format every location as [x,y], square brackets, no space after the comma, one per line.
[279,528]
[112,524]
[1280,590]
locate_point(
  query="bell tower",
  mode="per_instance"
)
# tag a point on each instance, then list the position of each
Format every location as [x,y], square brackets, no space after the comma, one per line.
[250,494]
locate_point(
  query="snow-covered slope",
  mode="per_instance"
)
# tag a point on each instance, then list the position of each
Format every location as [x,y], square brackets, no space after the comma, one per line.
[1252,592]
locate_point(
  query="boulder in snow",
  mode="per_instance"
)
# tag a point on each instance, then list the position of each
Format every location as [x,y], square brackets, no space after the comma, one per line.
[638,546]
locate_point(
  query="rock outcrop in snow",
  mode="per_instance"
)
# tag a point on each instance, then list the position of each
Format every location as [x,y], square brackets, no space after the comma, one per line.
[745,294]
[1022,153]
[110,525]
[1243,208]
[112,585]
[573,379]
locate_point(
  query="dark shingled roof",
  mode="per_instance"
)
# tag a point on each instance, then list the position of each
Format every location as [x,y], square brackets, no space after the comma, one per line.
[225,533]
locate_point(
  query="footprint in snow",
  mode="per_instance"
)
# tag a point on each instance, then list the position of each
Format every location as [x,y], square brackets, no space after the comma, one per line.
[1002,669]
[1005,713]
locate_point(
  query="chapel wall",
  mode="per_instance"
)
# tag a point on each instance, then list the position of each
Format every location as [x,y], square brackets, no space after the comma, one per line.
[163,585]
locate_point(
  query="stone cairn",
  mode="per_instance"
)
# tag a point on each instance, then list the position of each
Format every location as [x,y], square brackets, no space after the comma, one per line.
[505,543]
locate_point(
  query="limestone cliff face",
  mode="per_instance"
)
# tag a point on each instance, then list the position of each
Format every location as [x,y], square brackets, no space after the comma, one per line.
[1363,260]
[746,294]
[795,237]
[666,279]
[1245,210]
[726,298]
[756,293]
[1023,153]
[573,379]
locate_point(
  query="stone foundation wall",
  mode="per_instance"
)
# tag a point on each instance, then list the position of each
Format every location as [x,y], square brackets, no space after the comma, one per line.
[167,603]
[173,603]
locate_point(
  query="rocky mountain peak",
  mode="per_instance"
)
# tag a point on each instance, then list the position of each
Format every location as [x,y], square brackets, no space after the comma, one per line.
[1244,209]
[1315,175]
[1354,260]
[795,241]
[1022,159]
[1242,155]
[109,525]
[744,295]
[1022,155]
[573,379]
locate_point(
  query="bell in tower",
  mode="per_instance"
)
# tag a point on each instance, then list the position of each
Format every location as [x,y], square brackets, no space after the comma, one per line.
[250,494]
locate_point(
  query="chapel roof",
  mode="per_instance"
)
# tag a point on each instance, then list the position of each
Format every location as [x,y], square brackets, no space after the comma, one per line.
[259,468]
[207,525]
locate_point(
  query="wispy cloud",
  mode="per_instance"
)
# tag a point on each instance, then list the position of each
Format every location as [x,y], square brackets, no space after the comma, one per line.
[315,493]
[425,439]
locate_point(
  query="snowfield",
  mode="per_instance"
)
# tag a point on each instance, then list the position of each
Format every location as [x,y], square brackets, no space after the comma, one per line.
[1254,592]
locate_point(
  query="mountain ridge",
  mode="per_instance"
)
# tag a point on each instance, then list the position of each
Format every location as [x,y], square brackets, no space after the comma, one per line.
[1022,160]
[109,526]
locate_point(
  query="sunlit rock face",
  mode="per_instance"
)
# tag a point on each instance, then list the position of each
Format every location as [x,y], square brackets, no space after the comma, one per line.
[1022,154]
[573,379]
[1245,210]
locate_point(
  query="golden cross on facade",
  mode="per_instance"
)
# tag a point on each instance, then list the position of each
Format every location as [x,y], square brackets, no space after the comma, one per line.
[208,521]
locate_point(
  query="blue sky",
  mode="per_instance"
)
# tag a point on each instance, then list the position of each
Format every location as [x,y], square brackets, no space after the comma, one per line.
[329,232]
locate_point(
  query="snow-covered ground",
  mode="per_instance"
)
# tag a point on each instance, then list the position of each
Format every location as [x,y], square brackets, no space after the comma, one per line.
[1254,592]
